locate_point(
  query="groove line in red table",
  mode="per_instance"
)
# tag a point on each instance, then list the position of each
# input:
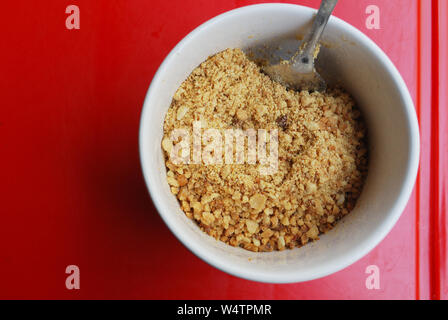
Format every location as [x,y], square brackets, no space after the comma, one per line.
[418,107]
[435,240]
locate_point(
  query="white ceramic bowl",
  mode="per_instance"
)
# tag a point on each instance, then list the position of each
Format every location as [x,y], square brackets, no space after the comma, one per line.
[365,71]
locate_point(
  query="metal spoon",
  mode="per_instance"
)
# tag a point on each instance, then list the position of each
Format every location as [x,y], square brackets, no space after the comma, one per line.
[299,73]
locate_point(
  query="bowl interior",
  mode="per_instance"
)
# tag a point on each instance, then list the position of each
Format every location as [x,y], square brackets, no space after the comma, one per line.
[347,58]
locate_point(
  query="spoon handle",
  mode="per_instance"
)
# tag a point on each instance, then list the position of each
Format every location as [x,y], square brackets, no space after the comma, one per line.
[312,38]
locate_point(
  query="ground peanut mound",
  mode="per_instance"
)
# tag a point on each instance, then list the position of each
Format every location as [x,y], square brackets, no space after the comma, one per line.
[322,156]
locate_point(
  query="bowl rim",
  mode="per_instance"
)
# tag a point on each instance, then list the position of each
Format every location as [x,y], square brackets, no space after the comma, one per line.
[355,253]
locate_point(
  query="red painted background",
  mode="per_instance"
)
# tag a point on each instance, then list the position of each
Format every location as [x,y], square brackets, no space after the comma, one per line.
[71,190]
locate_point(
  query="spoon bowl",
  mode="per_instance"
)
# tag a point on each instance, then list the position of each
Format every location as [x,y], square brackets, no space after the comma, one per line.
[299,73]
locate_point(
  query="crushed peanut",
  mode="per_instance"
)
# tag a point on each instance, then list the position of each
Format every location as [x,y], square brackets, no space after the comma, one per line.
[321,148]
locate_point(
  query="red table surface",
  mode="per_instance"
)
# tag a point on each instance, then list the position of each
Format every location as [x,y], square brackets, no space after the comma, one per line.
[71,188]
